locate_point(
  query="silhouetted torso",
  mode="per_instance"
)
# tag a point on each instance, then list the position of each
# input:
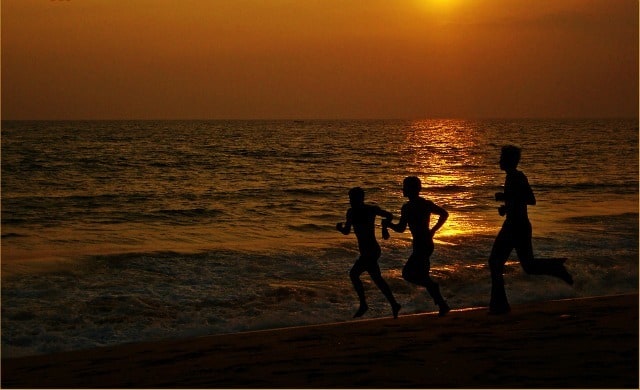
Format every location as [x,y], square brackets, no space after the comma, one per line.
[418,213]
[518,194]
[363,219]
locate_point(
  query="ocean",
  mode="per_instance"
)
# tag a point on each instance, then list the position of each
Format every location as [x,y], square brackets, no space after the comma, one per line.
[122,231]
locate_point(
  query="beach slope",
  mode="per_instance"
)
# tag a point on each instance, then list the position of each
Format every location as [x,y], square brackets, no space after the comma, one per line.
[584,343]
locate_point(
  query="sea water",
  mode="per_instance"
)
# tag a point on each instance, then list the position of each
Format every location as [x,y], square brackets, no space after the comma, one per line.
[122,231]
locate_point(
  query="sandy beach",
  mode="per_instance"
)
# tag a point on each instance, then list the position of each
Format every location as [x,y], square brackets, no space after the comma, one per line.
[577,343]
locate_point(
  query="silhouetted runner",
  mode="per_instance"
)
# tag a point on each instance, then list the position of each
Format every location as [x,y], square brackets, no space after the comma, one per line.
[416,213]
[516,233]
[362,217]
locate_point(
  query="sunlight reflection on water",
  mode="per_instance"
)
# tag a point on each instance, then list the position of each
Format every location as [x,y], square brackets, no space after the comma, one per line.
[446,156]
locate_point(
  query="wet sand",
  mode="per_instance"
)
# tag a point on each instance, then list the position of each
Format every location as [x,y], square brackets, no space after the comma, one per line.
[578,343]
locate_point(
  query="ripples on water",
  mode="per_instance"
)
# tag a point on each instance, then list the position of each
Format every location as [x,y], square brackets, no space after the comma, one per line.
[157,229]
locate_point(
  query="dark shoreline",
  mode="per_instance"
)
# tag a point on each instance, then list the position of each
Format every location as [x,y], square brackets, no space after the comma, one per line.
[574,343]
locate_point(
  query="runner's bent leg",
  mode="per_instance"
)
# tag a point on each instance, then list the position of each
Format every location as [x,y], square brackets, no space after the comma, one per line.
[416,271]
[358,268]
[376,276]
[524,249]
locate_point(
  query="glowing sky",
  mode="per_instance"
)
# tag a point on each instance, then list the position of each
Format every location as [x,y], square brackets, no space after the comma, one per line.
[323,59]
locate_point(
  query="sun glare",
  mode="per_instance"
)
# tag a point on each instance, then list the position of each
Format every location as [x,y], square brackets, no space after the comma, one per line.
[437,5]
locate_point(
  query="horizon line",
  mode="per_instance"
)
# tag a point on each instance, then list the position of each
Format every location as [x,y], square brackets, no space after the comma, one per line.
[604,117]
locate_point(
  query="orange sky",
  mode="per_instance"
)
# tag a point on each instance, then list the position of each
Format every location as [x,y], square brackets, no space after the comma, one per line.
[318,59]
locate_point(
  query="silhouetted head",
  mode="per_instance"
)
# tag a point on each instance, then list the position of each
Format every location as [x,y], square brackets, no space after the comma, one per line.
[411,186]
[356,196]
[509,158]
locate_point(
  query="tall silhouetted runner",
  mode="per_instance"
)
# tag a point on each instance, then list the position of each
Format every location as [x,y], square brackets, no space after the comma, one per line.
[516,233]
[362,217]
[416,213]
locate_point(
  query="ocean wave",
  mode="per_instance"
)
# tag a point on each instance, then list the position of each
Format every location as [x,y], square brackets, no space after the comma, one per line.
[73,200]
[601,219]
[451,188]
[310,227]
[278,292]
[102,209]
[106,300]
[12,235]
[190,213]
[8,221]
[469,207]
[626,187]
[304,191]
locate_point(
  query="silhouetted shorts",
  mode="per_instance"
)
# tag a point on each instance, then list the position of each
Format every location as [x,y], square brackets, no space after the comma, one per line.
[513,235]
[369,263]
[418,264]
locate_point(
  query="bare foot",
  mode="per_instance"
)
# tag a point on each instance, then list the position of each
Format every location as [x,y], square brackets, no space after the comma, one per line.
[395,308]
[444,309]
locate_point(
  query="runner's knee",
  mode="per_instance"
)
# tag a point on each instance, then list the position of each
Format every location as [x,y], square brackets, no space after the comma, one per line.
[496,264]
[410,276]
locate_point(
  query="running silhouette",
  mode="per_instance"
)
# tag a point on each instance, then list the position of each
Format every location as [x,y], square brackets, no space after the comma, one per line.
[362,217]
[516,233]
[416,213]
